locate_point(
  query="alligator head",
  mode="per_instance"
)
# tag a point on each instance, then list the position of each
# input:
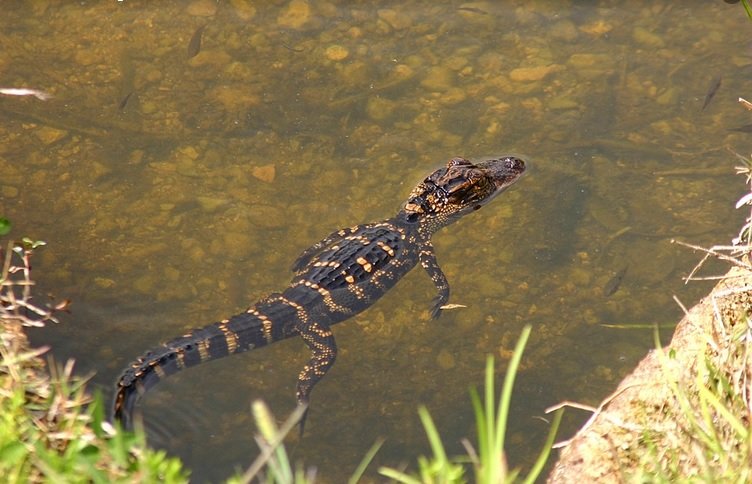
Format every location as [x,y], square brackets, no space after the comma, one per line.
[459,188]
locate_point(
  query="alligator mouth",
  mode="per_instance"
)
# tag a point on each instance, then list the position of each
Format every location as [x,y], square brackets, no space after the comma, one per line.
[503,171]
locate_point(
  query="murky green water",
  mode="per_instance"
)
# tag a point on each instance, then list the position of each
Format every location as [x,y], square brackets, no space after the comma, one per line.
[175,190]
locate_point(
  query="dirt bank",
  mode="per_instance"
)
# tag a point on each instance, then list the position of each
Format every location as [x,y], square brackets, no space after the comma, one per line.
[649,428]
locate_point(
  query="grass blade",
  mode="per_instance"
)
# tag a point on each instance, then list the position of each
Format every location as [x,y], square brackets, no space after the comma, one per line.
[358,473]
[433,435]
[546,451]
[506,390]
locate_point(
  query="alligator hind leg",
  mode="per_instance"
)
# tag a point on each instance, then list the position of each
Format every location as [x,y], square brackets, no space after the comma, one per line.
[324,351]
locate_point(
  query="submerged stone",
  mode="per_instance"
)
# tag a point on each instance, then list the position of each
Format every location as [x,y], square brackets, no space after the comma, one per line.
[533,73]
[336,53]
[49,135]
[265,173]
[202,8]
[297,13]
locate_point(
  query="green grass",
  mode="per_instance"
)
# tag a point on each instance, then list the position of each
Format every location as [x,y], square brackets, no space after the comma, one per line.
[705,434]
[489,461]
[747,8]
[51,430]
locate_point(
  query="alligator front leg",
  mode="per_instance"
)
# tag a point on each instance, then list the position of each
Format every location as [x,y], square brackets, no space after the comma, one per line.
[428,260]
[320,340]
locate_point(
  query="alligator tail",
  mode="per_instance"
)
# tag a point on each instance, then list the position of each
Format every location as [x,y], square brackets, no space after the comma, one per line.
[240,333]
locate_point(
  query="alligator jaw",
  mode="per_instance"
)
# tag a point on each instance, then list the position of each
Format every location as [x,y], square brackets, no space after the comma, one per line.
[504,171]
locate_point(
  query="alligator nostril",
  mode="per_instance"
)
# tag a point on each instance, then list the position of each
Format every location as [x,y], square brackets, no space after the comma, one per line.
[514,164]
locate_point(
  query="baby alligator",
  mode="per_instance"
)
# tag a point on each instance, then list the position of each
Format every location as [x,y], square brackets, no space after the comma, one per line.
[335,279]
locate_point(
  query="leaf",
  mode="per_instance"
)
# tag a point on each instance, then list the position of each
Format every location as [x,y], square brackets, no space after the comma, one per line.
[452,306]
[12,452]
[32,244]
[5,226]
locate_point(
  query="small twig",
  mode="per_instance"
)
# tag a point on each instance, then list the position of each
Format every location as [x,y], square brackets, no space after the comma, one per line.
[22,91]
[596,412]
[713,251]
[451,306]
[738,249]
[470,451]
[15,307]
[696,267]
[719,277]
[720,171]
[682,306]
[6,262]
[616,235]
[268,448]
[568,403]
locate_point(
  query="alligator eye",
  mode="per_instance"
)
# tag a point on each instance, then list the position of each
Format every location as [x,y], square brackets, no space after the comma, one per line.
[457,162]
[412,217]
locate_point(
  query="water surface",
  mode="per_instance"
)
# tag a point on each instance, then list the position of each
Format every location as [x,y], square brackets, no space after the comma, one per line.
[176,183]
